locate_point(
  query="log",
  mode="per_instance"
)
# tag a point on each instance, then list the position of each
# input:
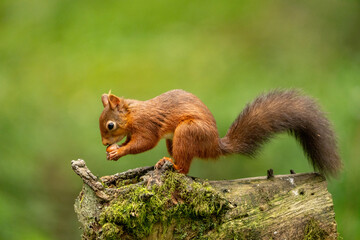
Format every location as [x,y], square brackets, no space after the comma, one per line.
[148,203]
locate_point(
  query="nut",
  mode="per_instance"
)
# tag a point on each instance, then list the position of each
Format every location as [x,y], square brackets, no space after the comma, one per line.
[112,147]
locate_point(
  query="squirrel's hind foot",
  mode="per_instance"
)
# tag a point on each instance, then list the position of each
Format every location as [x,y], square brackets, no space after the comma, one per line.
[162,161]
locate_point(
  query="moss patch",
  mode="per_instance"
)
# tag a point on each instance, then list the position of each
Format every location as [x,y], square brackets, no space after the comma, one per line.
[111,231]
[193,206]
[313,231]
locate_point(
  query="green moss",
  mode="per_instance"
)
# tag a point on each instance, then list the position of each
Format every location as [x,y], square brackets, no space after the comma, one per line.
[111,231]
[313,231]
[178,200]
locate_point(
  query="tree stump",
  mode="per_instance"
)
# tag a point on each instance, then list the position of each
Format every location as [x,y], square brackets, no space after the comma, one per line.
[148,203]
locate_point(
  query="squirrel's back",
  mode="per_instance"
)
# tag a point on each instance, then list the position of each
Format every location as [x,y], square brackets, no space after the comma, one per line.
[163,113]
[181,102]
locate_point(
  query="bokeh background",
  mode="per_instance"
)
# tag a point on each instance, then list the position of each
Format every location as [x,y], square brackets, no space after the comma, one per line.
[58,57]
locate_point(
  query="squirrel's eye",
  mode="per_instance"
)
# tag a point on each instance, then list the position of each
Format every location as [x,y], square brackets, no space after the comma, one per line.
[110,125]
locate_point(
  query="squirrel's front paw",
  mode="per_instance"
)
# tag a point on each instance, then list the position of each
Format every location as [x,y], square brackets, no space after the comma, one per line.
[112,152]
[113,155]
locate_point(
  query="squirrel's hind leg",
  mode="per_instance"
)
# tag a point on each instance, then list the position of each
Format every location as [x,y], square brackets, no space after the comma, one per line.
[194,138]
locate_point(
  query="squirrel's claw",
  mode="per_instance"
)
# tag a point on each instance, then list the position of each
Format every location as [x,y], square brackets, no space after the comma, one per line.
[113,155]
[112,152]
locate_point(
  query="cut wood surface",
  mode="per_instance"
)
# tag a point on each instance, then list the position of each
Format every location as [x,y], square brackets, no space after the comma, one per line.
[148,203]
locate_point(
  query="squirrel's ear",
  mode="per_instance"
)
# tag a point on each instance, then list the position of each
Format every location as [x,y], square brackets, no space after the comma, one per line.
[105,99]
[113,101]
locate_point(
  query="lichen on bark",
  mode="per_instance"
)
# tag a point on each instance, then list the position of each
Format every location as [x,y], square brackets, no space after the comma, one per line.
[177,199]
[149,203]
[182,206]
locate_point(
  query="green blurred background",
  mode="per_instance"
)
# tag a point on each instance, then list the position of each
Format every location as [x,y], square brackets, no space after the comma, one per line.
[58,57]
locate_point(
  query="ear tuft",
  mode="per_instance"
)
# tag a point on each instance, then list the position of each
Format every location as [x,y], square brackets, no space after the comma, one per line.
[105,99]
[114,101]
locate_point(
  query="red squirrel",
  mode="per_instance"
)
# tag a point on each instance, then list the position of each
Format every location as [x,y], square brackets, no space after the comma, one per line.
[190,129]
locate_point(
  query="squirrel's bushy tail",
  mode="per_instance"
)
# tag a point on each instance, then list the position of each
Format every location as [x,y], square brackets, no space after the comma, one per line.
[281,111]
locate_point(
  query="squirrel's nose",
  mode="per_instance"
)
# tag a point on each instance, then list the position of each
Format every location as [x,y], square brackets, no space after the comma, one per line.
[105,142]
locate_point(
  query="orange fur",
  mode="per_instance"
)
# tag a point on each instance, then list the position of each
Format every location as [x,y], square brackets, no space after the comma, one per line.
[194,133]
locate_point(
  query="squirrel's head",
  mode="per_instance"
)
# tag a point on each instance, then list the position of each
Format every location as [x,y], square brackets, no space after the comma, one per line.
[113,120]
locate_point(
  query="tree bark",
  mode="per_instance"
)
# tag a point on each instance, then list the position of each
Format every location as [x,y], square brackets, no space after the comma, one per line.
[148,203]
